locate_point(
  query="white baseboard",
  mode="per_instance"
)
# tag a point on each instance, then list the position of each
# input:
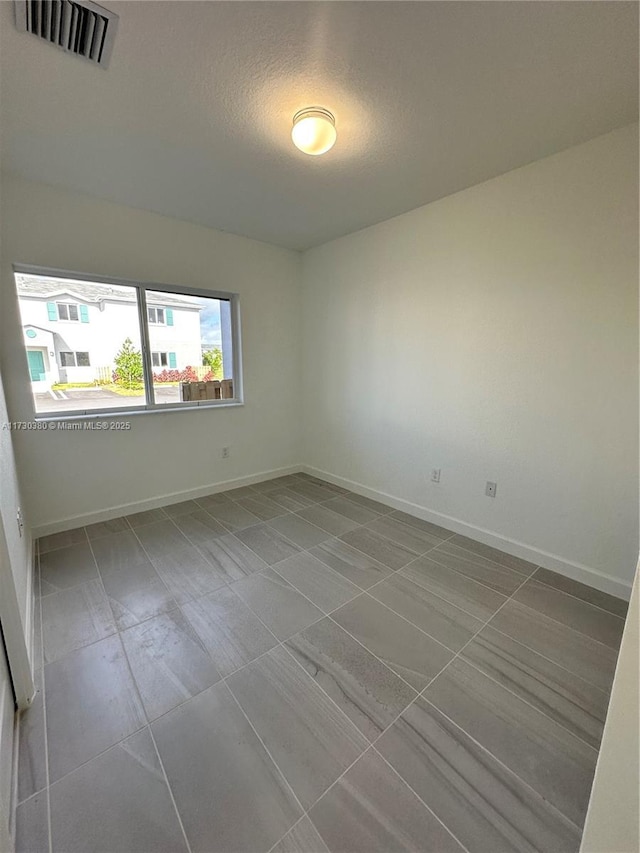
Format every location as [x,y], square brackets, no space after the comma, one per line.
[163,500]
[575,571]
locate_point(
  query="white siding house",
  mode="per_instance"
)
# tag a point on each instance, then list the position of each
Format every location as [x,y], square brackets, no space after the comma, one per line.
[73,330]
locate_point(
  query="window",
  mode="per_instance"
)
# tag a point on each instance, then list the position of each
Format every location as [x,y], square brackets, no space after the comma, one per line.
[157,316]
[163,359]
[68,312]
[74,359]
[145,348]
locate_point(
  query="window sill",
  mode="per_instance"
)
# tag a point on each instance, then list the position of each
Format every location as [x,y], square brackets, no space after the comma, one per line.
[123,414]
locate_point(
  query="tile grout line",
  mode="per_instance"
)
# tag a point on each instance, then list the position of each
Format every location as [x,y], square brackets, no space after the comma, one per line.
[575,597]
[44,713]
[392,573]
[550,660]
[439,642]
[424,803]
[519,575]
[332,572]
[429,591]
[526,702]
[147,724]
[297,823]
[344,714]
[304,595]
[131,675]
[46,789]
[531,577]
[333,784]
[473,553]
[427,554]
[264,746]
[555,621]
[108,599]
[471,639]
[335,621]
[158,575]
[170,790]
[504,766]
[328,615]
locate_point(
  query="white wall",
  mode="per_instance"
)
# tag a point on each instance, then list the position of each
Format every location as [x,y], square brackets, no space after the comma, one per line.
[69,474]
[613,817]
[492,334]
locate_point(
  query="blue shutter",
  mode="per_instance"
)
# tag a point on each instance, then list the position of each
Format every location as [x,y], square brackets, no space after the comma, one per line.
[51,310]
[84,314]
[168,313]
[172,361]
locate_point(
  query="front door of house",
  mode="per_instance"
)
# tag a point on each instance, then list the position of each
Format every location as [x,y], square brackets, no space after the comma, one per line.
[36,365]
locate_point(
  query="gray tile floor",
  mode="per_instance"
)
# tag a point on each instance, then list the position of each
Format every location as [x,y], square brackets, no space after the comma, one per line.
[293,668]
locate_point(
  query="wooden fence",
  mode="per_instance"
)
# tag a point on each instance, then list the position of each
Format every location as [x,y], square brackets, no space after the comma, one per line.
[215,390]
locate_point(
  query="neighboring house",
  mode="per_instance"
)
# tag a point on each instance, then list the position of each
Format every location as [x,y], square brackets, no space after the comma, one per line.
[73,330]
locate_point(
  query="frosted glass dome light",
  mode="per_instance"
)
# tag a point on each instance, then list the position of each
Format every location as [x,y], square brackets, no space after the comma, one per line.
[314,130]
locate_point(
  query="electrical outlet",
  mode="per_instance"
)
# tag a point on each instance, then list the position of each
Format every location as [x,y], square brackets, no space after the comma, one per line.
[435,475]
[20,521]
[225,453]
[491,489]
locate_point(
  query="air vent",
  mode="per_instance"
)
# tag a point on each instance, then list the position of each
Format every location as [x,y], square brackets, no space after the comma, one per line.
[82,28]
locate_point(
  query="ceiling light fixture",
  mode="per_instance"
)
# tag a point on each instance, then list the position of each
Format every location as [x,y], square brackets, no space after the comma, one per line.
[314,130]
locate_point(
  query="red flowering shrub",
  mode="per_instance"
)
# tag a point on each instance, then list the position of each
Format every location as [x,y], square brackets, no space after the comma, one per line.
[186,375]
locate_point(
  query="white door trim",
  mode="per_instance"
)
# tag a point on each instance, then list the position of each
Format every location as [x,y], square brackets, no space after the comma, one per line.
[13,631]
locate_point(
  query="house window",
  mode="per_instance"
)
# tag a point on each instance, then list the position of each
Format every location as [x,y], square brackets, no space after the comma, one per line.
[158,316]
[146,348]
[68,311]
[74,359]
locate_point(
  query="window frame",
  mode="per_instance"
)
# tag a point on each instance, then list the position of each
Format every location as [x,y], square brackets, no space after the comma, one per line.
[155,308]
[68,318]
[150,407]
[75,354]
[166,365]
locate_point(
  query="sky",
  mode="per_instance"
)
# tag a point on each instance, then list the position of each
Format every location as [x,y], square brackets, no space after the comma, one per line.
[210,322]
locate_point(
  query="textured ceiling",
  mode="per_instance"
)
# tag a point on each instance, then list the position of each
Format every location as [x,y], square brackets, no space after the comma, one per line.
[192,119]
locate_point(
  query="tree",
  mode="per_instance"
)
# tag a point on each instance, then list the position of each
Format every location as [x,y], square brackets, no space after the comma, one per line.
[128,363]
[213,360]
